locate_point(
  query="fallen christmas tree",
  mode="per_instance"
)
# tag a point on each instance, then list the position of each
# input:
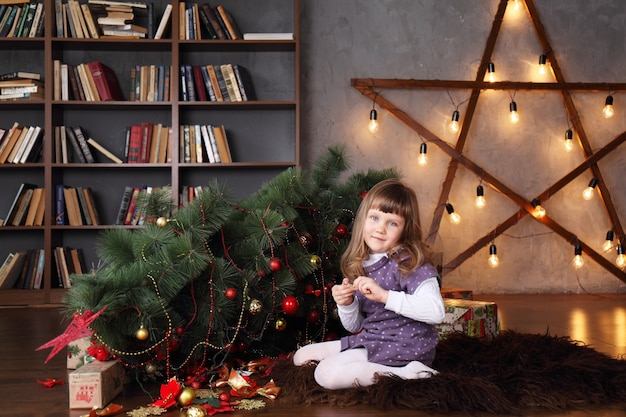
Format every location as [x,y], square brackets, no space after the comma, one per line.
[219,279]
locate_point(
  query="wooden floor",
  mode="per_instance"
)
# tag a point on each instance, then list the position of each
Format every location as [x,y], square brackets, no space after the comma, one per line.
[597,320]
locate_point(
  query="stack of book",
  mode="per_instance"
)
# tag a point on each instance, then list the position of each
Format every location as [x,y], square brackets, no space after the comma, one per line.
[204,143]
[75,206]
[21,85]
[148,143]
[27,208]
[68,261]
[70,144]
[22,270]
[132,211]
[21,20]
[201,21]
[225,82]
[150,83]
[20,144]
[93,81]
[122,19]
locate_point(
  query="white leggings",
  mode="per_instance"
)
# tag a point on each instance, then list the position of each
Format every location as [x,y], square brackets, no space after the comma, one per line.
[338,370]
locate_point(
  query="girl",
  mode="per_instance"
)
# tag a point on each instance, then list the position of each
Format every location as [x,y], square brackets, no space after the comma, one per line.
[390,296]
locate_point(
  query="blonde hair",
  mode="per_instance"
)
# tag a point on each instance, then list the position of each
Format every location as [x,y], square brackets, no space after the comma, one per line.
[389,196]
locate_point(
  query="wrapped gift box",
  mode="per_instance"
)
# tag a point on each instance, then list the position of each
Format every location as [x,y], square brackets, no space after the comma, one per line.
[95,384]
[77,354]
[454,292]
[474,318]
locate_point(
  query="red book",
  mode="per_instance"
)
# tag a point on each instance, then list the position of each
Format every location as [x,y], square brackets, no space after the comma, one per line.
[106,82]
[134,145]
[199,82]
[146,142]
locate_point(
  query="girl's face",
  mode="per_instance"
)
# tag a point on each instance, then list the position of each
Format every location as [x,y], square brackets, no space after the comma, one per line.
[381,231]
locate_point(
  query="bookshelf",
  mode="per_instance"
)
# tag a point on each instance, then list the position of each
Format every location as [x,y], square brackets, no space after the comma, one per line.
[263,134]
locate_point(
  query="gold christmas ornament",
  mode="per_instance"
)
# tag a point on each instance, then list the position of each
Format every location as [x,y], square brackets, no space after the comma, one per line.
[186,396]
[196,410]
[315,260]
[142,333]
[255,306]
[280,324]
[162,222]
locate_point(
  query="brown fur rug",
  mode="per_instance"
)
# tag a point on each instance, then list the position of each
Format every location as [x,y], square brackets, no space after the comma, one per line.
[509,375]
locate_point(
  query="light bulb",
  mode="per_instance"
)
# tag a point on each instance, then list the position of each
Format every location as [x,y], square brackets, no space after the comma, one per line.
[608,111]
[543,59]
[620,261]
[493,256]
[516,4]
[568,143]
[373,125]
[538,212]
[608,243]
[578,257]
[589,191]
[491,72]
[454,217]
[422,158]
[454,122]
[480,197]
[514,116]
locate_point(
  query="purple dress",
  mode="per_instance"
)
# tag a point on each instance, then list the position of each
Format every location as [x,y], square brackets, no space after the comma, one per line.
[392,339]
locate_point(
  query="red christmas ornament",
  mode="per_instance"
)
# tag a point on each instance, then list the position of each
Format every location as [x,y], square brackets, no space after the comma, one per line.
[363,194]
[230,293]
[224,396]
[314,316]
[276,264]
[341,231]
[290,305]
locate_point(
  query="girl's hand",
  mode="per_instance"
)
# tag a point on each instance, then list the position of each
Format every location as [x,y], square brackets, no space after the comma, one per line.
[370,289]
[343,293]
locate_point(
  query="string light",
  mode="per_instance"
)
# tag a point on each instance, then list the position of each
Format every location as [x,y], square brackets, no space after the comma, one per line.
[538,212]
[543,59]
[608,111]
[516,4]
[422,158]
[568,143]
[493,256]
[589,191]
[373,124]
[454,217]
[454,122]
[514,116]
[491,72]
[608,243]
[480,197]
[620,261]
[579,262]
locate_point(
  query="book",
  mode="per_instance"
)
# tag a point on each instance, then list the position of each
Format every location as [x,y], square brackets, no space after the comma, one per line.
[77,153]
[34,147]
[92,26]
[123,209]
[104,151]
[134,145]
[22,209]
[27,24]
[217,28]
[41,208]
[8,24]
[164,23]
[221,83]
[9,141]
[23,280]
[91,205]
[132,206]
[105,81]
[230,23]
[35,202]
[17,201]
[41,257]
[209,32]
[222,144]
[72,208]
[59,206]
[20,75]
[5,266]
[146,141]
[244,80]
[76,86]
[85,214]
[20,145]
[206,79]
[207,144]
[199,83]
[12,272]
[82,142]
[58,18]
[231,82]
[268,36]
[213,140]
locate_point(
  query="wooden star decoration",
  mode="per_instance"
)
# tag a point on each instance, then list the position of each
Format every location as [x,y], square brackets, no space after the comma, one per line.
[371,88]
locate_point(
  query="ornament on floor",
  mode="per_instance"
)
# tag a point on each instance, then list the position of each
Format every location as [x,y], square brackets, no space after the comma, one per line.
[78,327]
[50,382]
[186,396]
[110,410]
[195,410]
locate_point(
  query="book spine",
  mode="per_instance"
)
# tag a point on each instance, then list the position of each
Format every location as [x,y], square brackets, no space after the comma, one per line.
[134,145]
[82,142]
[121,213]
[59,205]
[199,83]
[77,152]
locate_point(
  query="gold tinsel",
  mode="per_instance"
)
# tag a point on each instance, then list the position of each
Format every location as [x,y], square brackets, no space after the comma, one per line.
[248,404]
[146,411]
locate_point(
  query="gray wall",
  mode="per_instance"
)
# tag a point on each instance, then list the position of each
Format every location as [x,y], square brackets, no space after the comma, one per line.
[445,39]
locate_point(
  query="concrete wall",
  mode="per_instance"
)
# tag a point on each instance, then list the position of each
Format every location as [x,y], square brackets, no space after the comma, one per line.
[445,39]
